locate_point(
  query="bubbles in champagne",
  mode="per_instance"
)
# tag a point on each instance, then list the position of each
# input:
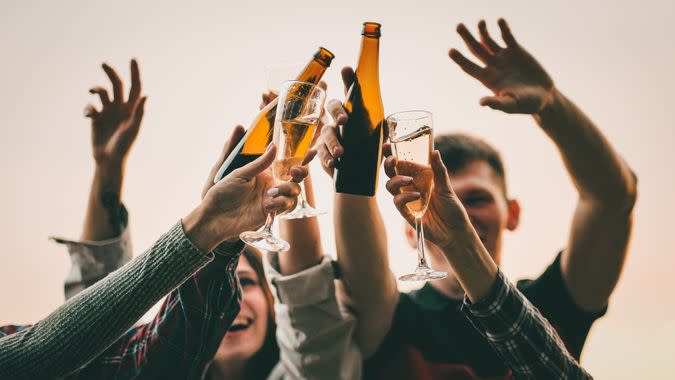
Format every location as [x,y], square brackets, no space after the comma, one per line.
[412,152]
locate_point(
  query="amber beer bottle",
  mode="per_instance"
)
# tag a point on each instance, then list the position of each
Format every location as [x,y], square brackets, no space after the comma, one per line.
[357,170]
[260,133]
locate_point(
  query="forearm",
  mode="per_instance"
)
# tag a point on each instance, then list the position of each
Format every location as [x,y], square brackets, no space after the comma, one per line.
[87,324]
[103,216]
[472,264]
[598,172]
[520,335]
[304,237]
[361,244]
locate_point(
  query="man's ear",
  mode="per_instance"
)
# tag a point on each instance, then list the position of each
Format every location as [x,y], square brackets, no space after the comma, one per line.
[513,218]
[410,235]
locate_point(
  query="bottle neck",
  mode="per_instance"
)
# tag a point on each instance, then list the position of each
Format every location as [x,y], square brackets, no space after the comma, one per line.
[368,65]
[312,72]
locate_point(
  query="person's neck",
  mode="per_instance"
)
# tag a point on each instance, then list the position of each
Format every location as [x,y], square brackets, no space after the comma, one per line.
[231,369]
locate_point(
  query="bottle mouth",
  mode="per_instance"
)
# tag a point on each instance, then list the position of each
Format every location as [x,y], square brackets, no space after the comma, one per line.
[324,56]
[371,29]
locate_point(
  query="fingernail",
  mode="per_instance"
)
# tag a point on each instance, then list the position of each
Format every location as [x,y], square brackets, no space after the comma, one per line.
[407,179]
[336,150]
[273,191]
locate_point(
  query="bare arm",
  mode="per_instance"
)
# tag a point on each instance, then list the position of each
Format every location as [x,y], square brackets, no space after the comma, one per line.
[607,188]
[361,244]
[114,129]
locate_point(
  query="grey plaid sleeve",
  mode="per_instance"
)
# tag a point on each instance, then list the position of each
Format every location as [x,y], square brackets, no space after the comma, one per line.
[520,335]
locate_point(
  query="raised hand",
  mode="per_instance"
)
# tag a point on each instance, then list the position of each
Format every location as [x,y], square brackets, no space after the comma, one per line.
[445,221]
[116,125]
[519,83]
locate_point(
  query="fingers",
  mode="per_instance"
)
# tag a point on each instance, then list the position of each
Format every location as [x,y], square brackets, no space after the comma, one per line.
[252,169]
[390,166]
[102,93]
[267,98]
[348,77]
[138,113]
[135,90]
[118,86]
[309,156]
[283,197]
[441,176]
[337,111]
[507,104]
[330,148]
[236,135]
[507,36]
[395,184]
[278,205]
[469,67]
[386,149]
[323,85]
[401,200]
[476,48]
[90,111]
[284,189]
[486,39]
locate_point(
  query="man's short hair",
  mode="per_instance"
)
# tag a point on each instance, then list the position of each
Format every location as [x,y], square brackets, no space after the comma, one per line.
[458,150]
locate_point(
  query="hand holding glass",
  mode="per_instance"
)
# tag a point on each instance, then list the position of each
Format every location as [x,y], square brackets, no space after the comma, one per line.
[412,140]
[298,113]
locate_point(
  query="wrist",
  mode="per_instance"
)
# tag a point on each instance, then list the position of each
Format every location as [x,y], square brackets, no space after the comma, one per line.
[202,230]
[111,170]
[550,105]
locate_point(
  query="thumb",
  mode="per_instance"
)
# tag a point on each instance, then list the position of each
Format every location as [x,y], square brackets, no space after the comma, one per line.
[348,77]
[505,103]
[441,176]
[249,171]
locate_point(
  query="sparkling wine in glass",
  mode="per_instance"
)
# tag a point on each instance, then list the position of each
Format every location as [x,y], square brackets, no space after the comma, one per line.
[298,112]
[412,141]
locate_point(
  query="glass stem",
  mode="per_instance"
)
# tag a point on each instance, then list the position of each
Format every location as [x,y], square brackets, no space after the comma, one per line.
[268,222]
[421,257]
[302,203]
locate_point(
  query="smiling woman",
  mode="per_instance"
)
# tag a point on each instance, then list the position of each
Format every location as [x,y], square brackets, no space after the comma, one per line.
[249,349]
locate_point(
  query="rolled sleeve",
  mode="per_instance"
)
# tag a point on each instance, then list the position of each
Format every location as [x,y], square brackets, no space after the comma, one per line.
[520,335]
[90,261]
[315,332]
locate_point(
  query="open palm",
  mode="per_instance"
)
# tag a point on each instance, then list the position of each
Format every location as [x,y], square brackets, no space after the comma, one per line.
[116,125]
[519,83]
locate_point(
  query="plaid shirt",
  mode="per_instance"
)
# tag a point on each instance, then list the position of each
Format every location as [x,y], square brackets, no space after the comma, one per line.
[182,339]
[521,336]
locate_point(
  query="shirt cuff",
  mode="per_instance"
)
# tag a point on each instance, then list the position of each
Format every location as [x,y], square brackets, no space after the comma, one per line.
[93,260]
[497,314]
[229,250]
[308,287]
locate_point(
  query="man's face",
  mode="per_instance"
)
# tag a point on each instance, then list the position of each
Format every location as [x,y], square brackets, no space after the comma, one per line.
[481,192]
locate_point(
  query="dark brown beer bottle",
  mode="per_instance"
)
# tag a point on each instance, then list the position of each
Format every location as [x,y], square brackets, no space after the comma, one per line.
[357,170]
[260,133]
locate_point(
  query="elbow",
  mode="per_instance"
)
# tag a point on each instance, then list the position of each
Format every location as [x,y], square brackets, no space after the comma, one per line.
[629,193]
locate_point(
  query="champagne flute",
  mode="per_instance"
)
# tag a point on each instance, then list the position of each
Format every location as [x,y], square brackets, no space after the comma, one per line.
[276,74]
[298,112]
[412,140]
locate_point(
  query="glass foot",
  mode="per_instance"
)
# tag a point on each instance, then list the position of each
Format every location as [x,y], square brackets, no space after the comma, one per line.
[423,274]
[264,240]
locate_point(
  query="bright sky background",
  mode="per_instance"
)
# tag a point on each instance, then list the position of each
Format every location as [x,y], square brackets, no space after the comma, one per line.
[203,70]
